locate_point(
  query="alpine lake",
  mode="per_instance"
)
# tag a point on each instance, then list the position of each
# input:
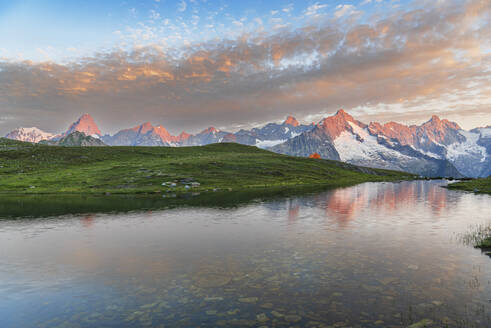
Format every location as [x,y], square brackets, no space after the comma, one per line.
[371,255]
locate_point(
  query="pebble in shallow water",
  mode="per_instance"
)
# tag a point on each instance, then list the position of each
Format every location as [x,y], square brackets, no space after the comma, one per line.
[211,280]
[422,324]
[293,318]
[248,299]
[262,317]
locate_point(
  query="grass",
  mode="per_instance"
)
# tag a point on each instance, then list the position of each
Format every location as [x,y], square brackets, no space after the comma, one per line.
[482,185]
[479,237]
[27,168]
[485,243]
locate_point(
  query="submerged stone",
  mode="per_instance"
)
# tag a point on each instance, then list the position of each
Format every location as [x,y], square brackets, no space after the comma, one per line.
[277,314]
[262,317]
[210,280]
[293,318]
[233,312]
[421,324]
[241,322]
[213,299]
[248,299]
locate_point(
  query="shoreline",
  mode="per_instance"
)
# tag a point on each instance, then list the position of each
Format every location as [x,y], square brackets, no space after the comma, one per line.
[476,186]
[13,206]
[181,191]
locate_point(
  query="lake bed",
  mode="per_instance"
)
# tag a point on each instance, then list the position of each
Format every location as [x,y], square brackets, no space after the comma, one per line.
[371,255]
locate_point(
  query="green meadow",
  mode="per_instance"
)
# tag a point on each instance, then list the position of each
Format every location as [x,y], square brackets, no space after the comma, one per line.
[482,185]
[27,168]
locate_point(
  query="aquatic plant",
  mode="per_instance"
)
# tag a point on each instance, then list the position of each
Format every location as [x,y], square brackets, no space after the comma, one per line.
[478,236]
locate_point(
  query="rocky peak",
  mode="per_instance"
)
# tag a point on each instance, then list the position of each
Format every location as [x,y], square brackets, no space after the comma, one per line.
[183,136]
[436,123]
[341,114]
[334,125]
[434,118]
[159,131]
[210,130]
[290,120]
[86,125]
[143,128]
[163,133]
[230,137]
[440,131]
[434,130]
[392,130]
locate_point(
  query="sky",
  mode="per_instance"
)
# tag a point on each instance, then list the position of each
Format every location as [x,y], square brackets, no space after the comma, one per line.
[190,64]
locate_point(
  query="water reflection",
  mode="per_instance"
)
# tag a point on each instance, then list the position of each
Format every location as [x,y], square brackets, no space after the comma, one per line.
[88,220]
[345,204]
[373,255]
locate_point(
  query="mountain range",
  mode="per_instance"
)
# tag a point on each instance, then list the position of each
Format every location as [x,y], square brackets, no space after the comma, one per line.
[437,147]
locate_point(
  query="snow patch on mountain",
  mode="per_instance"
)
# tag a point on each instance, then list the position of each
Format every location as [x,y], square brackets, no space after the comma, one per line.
[427,153]
[269,143]
[293,134]
[485,132]
[29,134]
[360,145]
[468,148]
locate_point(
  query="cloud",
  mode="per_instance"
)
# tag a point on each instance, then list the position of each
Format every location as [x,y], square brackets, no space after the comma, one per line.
[182,6]
[406,65]
[154,15]
[313,9]
[344,10]
[366,2]
[288,9]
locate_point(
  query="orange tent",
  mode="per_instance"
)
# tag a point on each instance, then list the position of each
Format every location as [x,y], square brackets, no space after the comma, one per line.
[315,155]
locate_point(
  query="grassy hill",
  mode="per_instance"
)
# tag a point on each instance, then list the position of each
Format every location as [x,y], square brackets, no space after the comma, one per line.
[477,185]
[40,169]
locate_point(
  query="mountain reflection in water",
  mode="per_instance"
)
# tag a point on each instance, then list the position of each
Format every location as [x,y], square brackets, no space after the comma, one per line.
[372,255]
[345,204]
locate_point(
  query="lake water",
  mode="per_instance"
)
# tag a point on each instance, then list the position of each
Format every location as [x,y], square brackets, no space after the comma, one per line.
[372,255]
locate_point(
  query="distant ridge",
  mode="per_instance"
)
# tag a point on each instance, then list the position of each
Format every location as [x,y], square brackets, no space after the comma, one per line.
[437,147]
[75,139]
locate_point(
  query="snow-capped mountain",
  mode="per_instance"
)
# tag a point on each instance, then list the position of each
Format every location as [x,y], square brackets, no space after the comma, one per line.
[86,125]
[29,134]
[484,140]
[437,147]
[149,135]
[272,133]
[468,151]
[145,135]
[142,135]
[341,137]
[205,137]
